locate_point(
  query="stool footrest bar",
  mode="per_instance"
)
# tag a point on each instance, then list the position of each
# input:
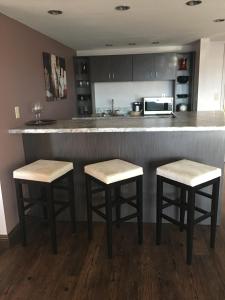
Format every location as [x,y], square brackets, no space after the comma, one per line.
[126,218]
[97,190]
[202,218]
[170,219]
[57,212]
[98,212]
[204,194]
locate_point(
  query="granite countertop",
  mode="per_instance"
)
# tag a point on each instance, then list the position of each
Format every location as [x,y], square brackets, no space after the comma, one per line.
[184,121]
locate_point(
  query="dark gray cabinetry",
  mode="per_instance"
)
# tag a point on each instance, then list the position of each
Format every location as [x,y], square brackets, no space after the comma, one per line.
[111,68]
[154,67]
[165,66]
[143,67]
[121,67]
[100,68]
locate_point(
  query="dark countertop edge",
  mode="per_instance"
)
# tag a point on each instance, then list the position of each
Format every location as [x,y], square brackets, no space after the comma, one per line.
[114,129]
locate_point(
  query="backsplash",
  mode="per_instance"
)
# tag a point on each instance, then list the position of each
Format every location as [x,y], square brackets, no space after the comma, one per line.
[124,93]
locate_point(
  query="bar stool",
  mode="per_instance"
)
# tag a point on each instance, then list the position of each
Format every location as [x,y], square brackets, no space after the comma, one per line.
[190,177]
[47,175]
[110,176]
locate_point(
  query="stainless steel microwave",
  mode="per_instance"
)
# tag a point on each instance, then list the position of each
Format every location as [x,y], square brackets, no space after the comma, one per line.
[157,105]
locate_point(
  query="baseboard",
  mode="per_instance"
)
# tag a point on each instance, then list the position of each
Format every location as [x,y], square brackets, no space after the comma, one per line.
[10,239]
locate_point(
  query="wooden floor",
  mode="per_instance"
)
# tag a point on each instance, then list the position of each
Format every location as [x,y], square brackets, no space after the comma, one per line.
[81,270]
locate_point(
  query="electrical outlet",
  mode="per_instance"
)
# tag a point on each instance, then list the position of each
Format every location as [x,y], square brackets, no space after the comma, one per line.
[17,112]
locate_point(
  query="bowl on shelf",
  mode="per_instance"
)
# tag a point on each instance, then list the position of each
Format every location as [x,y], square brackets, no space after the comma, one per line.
[181,107]
[182,79]
[181,96]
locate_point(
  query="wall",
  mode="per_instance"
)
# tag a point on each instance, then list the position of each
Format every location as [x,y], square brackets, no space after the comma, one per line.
[3,230]
[124,93]
[22,84]
[210,75]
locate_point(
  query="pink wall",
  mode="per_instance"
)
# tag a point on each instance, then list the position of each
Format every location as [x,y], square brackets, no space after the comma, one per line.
[22,84]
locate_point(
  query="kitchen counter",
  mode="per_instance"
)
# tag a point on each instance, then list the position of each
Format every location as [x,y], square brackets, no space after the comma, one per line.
[184,121]
[145,141]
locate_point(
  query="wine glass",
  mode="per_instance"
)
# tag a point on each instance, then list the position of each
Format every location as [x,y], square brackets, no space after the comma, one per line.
[37,108]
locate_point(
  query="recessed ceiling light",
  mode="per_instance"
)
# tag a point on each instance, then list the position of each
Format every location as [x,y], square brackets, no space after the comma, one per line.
[108,45]
[122,7]
[155,43]
[219,20]
[131,44]
[55,12]
[193,2]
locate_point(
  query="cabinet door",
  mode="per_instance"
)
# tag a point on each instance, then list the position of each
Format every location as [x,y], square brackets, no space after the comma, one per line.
[100,68]
[165,66]
[121,68]
[143,67]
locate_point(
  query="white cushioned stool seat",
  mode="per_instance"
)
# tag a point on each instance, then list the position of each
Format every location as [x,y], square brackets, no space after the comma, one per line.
[113,170]
[188,172]
[43,170]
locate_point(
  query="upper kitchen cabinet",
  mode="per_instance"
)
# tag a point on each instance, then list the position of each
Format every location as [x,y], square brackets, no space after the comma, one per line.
[148,67]
[111,68]
[100,68]
[121,67]
[143,67]
[165,66]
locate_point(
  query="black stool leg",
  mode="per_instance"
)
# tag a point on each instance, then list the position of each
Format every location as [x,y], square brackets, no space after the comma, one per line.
[139,195]
[51,215]
[182,208]
[72,204]
[89,206]
[190,224]
[118,206]
[45,211]
[19,194]
[109,220]
[159,209]
[214,208]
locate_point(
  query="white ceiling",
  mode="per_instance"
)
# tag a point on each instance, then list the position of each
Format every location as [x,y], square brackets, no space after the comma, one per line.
[90,24]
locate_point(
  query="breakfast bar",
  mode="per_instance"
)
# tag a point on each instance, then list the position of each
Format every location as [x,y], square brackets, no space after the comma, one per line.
[146,141]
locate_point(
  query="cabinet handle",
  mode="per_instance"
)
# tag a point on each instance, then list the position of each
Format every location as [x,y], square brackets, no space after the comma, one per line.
[113,75]
[109,75]
[156,74]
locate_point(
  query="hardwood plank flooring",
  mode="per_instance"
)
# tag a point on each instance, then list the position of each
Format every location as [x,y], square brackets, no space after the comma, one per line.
[81,270]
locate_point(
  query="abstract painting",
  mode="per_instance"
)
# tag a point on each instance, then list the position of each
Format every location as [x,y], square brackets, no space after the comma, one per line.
[55,77]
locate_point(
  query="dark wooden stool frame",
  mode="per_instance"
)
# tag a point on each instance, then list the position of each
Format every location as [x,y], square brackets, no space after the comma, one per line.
[46,200]
[110,204]
[190,207]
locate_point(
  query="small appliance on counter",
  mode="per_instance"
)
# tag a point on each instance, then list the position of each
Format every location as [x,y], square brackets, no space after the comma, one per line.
[158,105]
[137,106]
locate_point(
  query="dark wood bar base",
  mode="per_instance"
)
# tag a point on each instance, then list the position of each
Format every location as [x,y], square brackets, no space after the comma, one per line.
[146,149]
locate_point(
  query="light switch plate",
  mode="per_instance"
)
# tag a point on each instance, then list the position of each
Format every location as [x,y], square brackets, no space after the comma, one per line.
[17,112]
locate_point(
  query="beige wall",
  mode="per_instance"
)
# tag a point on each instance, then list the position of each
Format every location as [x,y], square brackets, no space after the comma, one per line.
[22,84]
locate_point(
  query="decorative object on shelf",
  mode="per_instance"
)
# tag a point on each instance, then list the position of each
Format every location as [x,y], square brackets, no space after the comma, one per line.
[183,63]
[84,68]
[181,96]
[82,78]
[55,77]
[182,107]
[40,122]
[182,79]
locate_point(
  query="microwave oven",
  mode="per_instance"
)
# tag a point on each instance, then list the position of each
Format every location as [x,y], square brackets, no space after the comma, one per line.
[158,105]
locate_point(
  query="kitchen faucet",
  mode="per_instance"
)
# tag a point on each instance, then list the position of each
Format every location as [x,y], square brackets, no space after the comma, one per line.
[113,111]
